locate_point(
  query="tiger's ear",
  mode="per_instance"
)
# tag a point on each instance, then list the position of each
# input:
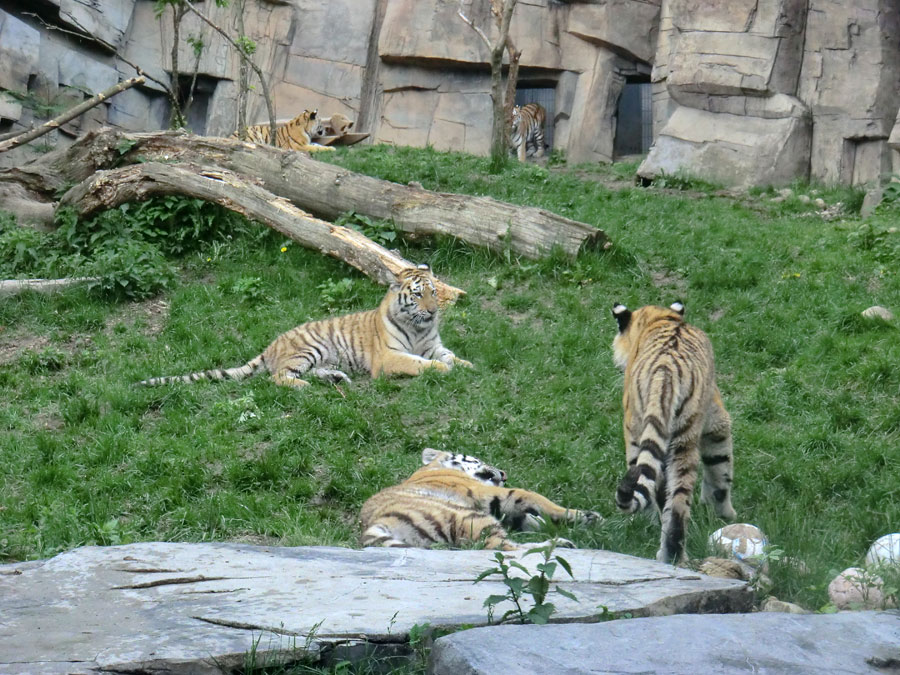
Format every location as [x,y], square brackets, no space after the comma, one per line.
[350,126]
[622,314]
[430,454]
[313,114]
[424,267]
[678,306]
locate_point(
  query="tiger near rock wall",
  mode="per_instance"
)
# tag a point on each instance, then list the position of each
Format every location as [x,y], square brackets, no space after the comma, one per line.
[528,130]
[292,135]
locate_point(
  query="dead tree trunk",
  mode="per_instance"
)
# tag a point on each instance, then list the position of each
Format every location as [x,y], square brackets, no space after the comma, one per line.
[107,189]
[325,190]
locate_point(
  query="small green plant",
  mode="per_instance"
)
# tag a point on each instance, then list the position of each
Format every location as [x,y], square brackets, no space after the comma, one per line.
[248,288]
[890,194]
[536,585]
[684,181]
[130,269]
[882,242]
[48,360]
[557,157]
[380,231]
[337,294]
[22,251]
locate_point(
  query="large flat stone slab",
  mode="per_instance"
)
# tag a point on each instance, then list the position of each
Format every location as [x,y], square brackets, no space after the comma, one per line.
[849,642]
[194,608]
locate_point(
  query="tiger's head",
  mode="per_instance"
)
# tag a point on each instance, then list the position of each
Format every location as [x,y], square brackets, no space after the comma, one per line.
[633,324]
[471,466]
[308,120]
[414,298]
[516,116]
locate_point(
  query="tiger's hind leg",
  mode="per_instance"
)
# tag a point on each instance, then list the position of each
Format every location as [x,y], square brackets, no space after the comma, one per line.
[331,375]
[289,371]
[681,475]
[716,453]
[538,142]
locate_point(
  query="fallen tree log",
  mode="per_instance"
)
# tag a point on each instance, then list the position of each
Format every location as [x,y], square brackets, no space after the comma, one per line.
[15,286]
[107,189]
[325,190]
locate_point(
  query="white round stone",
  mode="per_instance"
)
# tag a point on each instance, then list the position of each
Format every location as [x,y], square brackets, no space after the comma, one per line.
[741,541]
[878,312]
[885,550]
[854,588]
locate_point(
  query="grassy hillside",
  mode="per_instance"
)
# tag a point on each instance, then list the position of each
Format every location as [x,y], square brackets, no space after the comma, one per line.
[813,388]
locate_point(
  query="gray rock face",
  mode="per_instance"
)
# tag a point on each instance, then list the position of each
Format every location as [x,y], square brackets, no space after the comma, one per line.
[850,642]
[817,82]
[746,92]
[183,608]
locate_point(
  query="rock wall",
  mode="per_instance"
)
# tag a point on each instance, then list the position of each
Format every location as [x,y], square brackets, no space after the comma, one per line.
[745,92]
[758,92]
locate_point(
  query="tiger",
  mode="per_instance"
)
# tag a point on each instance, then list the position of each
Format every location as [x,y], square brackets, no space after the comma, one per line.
[674,418]
[454,499]
[400,336]
[336,125]
[528,129]
[291,135]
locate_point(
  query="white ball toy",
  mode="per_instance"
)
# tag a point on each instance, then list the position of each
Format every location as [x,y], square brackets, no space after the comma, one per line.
[740,541]
[854,588]
[885,550]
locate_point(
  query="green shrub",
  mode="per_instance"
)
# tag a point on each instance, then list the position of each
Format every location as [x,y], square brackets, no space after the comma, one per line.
[175,225]
[22,251]
[129,268]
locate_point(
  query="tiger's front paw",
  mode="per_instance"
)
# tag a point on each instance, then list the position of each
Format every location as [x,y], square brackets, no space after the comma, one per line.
[439,366]
[588,517]
[463,362]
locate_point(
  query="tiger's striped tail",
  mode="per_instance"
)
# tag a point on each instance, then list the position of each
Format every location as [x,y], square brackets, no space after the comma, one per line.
[645,478]
[249,369]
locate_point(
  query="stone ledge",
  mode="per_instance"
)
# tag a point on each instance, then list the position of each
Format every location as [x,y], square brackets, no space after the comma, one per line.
[849,642]
[192,608]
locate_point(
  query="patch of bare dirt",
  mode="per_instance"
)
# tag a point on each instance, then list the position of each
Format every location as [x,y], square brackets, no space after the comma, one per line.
[667,280]
[48,421]
[153,313]
[14,342]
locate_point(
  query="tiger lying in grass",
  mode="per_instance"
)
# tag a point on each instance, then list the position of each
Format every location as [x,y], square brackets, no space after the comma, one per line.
[400,336]
[455,499]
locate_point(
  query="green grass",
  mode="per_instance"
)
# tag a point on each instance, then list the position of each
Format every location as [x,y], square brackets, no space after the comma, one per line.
[86,457]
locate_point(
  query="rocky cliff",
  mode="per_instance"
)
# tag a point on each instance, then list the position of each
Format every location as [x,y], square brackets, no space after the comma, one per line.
[745,91]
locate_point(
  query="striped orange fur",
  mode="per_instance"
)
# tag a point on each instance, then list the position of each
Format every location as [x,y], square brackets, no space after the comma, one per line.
[291,135]
[674,419]
[455,499]
[399,337]
[528,130]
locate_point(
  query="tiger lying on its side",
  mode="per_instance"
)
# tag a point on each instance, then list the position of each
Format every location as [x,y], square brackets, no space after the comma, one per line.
[291,135]
[400,336]
[453,499]
[674,419]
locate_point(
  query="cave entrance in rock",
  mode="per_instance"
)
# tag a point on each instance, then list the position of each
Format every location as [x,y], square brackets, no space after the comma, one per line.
[634,118]
[545,94]
[204,88]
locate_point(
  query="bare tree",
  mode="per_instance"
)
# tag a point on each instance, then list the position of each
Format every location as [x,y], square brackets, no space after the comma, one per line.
[502,11]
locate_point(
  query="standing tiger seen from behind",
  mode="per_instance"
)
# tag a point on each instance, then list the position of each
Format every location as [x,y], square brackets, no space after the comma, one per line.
[294,134]
[528,129]
[674,418]
[399,337]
